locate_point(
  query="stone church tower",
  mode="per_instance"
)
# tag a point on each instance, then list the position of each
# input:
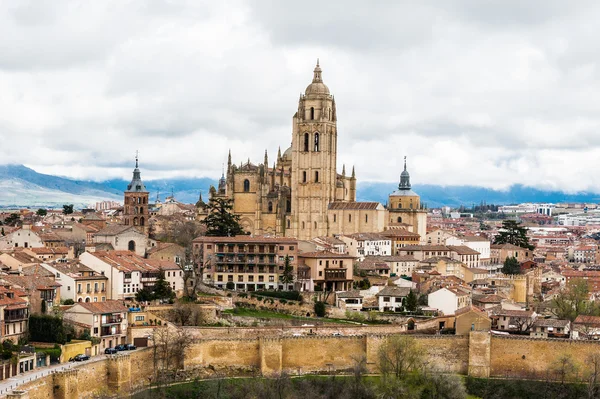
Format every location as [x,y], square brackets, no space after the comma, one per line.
[314,155]
[405,208]
[135,205]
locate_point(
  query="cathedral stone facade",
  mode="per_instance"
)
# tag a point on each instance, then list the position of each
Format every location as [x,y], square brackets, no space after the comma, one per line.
[302,195]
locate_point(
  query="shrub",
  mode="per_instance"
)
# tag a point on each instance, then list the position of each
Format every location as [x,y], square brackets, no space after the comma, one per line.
[320,309]
[47,328]
[283,301]
[69,302]
[230,285]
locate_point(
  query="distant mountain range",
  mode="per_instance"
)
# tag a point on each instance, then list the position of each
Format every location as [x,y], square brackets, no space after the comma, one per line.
[23,187]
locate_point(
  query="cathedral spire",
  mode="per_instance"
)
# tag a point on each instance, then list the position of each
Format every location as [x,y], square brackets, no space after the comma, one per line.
[344,170]
[279,154]
[136,184]
[353,174]
[266,160]
[404,178]
[229,161]
[317,74]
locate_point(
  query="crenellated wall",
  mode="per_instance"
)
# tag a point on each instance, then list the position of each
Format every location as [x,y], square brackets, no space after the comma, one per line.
[478,354]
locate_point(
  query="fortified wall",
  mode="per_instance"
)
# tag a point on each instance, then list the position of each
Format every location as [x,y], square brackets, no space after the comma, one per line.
[478,354]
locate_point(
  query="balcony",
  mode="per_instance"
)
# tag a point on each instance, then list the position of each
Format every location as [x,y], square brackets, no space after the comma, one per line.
[15,317]
[114,330]
[112,320]
[335,274]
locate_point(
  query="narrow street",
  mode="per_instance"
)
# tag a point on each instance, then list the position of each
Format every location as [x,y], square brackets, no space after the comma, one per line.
[14,382]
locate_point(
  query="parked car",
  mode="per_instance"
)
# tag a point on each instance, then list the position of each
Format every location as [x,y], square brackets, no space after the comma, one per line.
[121,348]
[130,347]
[110,351]
[81,357]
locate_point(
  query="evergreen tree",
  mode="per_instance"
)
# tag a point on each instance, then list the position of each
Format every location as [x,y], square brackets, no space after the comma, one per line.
[511,266]
[287,277]
[412,302]
[162,289]
[41,212]
[67,209]
[513,233]
[221,222]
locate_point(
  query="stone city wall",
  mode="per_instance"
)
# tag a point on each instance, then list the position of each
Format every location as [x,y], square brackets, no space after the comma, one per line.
[478,354]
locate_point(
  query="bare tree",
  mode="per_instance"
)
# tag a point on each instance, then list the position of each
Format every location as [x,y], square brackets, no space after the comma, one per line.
[593,379]
[564,367]
[186,314]
[169,347]
[399,355]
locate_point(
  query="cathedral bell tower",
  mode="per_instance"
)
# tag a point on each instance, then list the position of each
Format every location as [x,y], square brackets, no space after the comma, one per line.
[135,209]
[314,156]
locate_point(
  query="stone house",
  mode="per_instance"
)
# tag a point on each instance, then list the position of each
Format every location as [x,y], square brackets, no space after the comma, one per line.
[350,300]
[449,299]
[42,292]
[550,328]
[329,271]
[79,282]
[128,273]
[513,320]
[106,321]
[123,238]
[471,318]
[392,298]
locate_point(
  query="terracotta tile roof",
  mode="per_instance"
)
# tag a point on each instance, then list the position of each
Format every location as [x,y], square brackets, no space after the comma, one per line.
[343,206]
[349,294]
[463,250]
[324,254]
[490,299]
[471,308]
[31,283]
[128,261]
[394,291]
[592,321]
[514,313]
[110,306]
[399,258]
[551,323]
[50,251]
[399,233]
[246,239]
[113,230]
[367,237]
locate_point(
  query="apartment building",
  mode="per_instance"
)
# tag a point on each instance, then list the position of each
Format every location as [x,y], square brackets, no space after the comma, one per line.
[246,263]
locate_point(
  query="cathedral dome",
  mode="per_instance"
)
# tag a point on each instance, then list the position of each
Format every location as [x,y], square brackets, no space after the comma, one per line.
[287,154]
[317,86]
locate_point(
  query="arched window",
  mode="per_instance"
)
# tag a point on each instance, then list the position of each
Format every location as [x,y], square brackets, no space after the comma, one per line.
[288,223]
[315,225]
[142,221]
[141,209]
[302,225]
[399,205]
[316,176]
[135,221]
[306,142]
[399,219]
[288,206]
[246,185]
[312,112]
[139,200]
[87,299]
[132,200]
[304,177]
[79,300]
[131,246]
[316,142]
[270,206]
[366,218]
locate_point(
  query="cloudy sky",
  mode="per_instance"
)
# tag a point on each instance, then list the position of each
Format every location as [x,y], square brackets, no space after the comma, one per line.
[486,93]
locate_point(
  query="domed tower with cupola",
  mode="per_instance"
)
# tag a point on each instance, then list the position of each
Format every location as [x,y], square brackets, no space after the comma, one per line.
[314,157]
[405,209]
[135,206]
